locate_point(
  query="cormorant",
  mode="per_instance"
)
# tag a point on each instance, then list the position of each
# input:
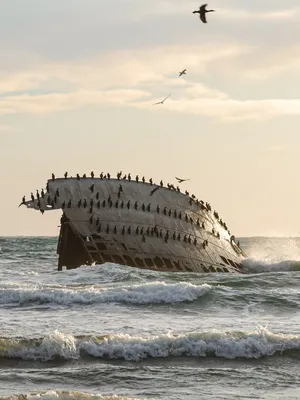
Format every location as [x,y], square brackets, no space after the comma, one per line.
[97,221]
[137,231]
[175,214]
[84,203]
[98,204]
[181,180]
[180,215]
[143,207]
[32,196]
[124,177]
[149,207]
[84,176]
[154,190]
[170,213]
[136,205]
[78,177]
[202,13]
[117,204]
[101,175]
[174,236]
[55,199]
[161,183]
[53,176]
[123,230]
[69,203]
[165,210]
[183,72]
[66,175]
[99,229]
[108,175]
[151,181]
[122,204]
[128,204]
[120,188]
[37,195]
[42,193]
[162,102]
[148,231]
[142,231]
[129,177]
[91,210]
[47,187]
[97,196]
[92,188]
[92,174]
[57,192]
[91,219]
[79,203]
[91,202]
[63,205]
[129,230]
[115,229]
[23,200]
[143,179]
[137,178]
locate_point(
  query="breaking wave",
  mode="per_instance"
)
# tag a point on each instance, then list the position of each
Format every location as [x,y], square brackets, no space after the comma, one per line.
[253,265]
[148,293]
[64,395]
[230,345]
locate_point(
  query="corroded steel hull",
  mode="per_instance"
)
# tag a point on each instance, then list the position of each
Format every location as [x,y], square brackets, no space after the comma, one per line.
[128,223]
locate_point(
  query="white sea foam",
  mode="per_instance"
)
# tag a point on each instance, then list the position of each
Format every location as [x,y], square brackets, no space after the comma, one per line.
[233,344]
[64,395]
[149,293]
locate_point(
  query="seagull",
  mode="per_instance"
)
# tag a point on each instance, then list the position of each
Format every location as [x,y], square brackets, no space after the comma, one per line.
[181,180]
[162,102]
[154,190]
[183,72]
[202,13]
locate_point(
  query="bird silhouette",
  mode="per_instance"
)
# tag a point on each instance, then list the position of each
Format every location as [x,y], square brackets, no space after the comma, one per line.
[202,13]
[162,102]
[183,72]
[181,180]
[154,190]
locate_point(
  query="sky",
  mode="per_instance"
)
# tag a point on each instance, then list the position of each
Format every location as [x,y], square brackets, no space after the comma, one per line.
[78,80]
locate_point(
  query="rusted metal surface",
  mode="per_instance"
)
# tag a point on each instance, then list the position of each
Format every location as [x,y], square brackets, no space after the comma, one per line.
[127,222]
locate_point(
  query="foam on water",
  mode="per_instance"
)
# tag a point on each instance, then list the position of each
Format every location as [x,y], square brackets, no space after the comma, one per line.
[64,395]
[229,344]
[148,293]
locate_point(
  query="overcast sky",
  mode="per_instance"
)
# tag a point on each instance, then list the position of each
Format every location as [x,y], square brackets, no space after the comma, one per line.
[77,83]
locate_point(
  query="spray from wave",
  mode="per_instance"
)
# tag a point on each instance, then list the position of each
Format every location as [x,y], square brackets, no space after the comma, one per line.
[230,345]
[272,255]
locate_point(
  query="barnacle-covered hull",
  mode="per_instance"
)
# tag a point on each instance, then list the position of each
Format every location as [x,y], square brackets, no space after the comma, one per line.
[126,222]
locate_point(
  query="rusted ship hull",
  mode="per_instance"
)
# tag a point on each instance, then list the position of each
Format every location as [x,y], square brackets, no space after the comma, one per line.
[128,223]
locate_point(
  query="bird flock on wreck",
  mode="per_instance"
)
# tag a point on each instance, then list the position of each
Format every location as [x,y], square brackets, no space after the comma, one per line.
[44,200]
[202,15]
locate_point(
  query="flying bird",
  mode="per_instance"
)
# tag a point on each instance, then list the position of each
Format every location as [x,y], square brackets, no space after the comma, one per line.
[181,180]
[202,13]
[154,190]
[183,72]
[162,102]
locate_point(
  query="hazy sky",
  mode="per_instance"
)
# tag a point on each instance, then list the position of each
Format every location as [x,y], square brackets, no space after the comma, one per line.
[77,83]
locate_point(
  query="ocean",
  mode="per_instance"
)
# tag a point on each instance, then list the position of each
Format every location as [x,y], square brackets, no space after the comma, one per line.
[114,332]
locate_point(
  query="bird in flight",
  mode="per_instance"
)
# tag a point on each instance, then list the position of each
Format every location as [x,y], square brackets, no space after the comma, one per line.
[202,13]
[154,190]
[181,180]
[162,102]
[183,72]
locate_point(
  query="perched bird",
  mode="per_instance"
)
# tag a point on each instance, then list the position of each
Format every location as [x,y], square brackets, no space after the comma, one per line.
[92,188]
[154,190]
[66,175]
[183,72]
[202,13]
[162,102]
[181,180]
[53,176]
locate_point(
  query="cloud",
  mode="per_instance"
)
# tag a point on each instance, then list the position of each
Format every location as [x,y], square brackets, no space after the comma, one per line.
[138,79]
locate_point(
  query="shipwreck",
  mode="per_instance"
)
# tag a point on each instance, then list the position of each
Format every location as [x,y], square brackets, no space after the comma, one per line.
[136,223]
